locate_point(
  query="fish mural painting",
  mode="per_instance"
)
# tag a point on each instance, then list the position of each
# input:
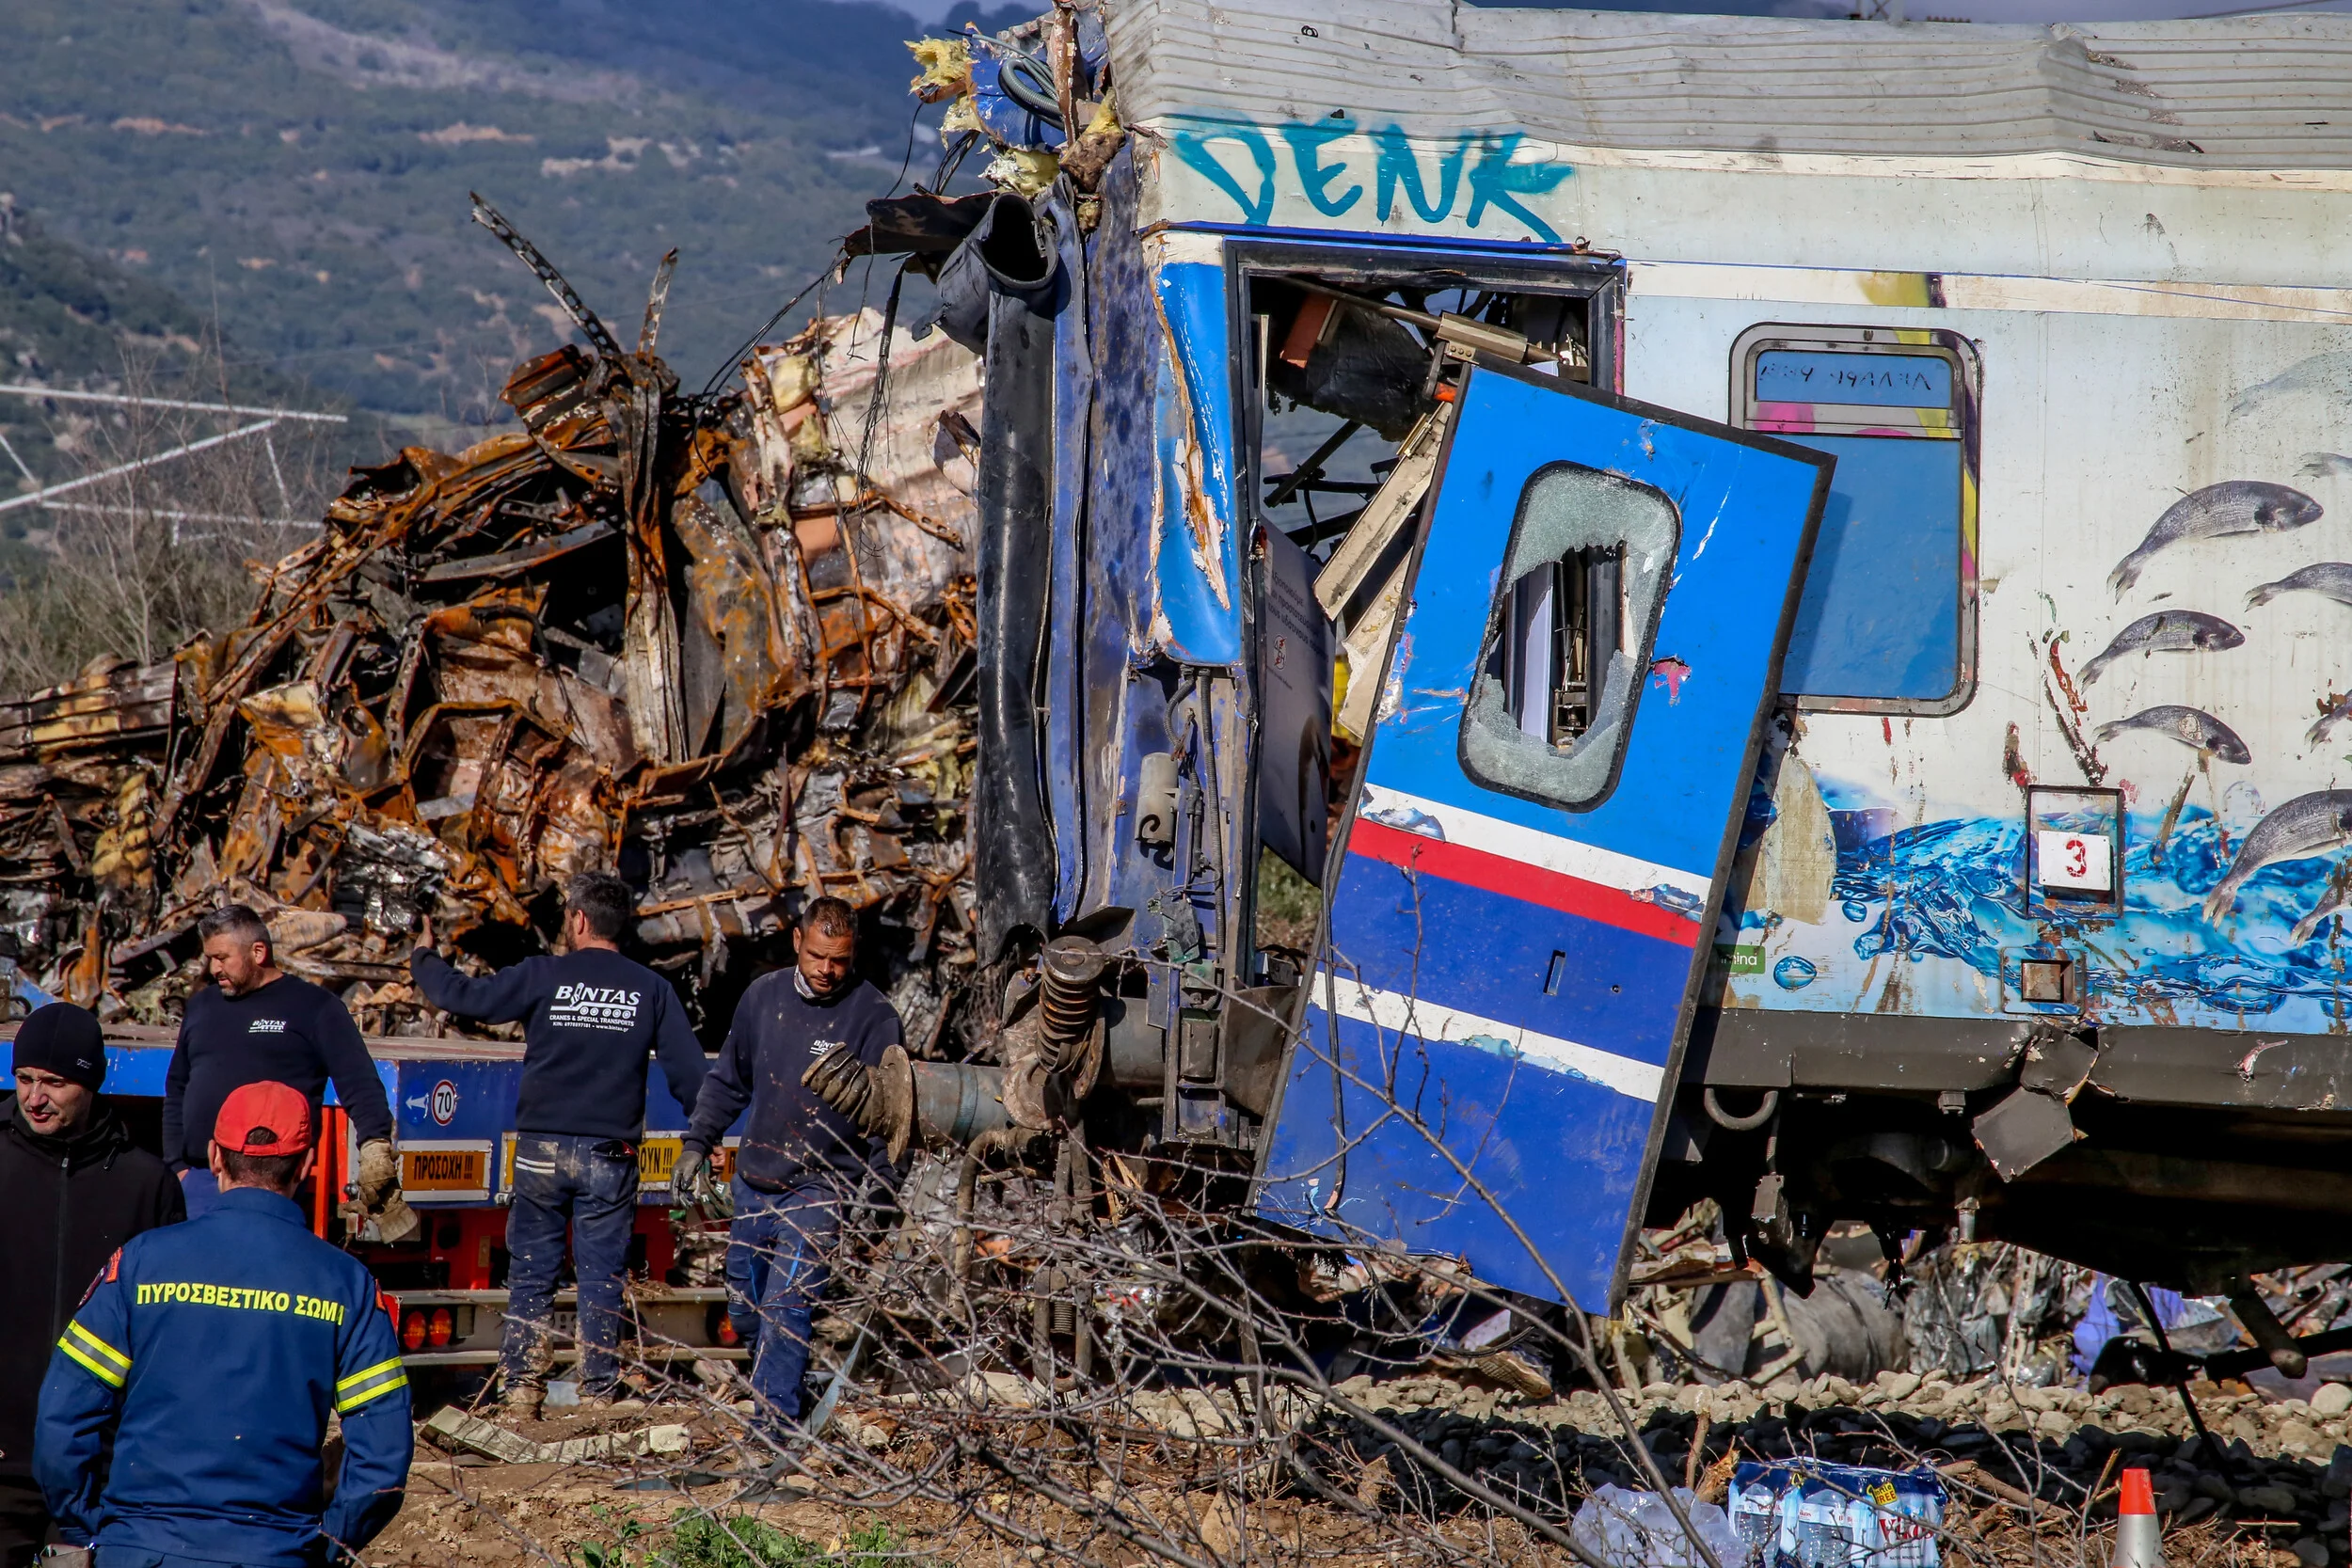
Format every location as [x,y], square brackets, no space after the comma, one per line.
[2329,579]
[2226,909]
[2166,631]
[2305,827]
[2235,506]
[2192,727]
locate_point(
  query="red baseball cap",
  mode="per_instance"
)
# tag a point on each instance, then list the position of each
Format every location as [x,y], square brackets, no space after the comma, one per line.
[263,1118]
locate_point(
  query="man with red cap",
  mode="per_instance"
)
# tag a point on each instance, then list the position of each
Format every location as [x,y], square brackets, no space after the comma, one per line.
[185,1411]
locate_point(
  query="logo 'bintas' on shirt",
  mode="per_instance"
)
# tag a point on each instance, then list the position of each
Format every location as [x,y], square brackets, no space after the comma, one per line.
[818,1047]
[594,1007]
[266,1026]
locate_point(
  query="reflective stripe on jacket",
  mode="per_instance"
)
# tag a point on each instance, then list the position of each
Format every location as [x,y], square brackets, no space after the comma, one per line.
[215,1351]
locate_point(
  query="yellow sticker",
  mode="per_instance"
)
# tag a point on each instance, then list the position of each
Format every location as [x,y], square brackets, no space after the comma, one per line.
[445,1169]
[656,1158]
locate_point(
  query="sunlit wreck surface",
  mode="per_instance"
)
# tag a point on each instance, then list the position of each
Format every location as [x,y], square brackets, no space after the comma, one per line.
[675,635]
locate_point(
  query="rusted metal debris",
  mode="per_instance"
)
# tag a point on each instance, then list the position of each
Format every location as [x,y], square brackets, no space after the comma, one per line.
[720,644]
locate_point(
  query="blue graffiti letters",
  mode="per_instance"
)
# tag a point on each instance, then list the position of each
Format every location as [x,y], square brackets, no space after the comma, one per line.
[1331,176]
[1315,176]
[1495,179]
[1192,148]
[1398,166]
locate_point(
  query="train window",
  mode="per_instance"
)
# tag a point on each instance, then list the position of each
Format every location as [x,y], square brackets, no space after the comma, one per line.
[1570,633]
[1887,621]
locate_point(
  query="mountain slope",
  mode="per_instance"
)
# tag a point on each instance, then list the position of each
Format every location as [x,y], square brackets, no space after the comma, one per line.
[308,182]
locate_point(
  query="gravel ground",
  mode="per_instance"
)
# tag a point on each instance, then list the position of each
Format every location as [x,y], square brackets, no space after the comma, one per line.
[2022,1466]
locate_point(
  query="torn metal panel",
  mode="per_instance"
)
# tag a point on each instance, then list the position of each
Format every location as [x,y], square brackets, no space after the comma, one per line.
[111,701]
[1198,612]
[721,645]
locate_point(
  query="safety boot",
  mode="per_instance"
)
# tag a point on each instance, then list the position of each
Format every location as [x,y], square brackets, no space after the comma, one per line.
[521,1398]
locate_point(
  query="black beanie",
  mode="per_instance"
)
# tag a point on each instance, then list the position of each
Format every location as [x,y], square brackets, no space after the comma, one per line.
[64,1039]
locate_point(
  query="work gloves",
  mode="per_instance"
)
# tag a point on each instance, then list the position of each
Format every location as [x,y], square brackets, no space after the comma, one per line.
[377,1176]
[691,1180]
[841,1081]
[376,1184]
[878,1100]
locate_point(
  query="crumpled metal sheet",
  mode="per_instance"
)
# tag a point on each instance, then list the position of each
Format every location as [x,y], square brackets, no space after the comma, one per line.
[720,645]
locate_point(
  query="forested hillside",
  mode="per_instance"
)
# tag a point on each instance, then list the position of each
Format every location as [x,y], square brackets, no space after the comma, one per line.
[304,184]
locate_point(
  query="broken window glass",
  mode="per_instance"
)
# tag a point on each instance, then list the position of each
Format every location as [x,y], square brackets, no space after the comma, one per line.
[1336,384]
[1570,631]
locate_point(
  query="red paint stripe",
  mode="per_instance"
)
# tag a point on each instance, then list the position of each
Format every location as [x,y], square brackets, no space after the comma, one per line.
[1497,874]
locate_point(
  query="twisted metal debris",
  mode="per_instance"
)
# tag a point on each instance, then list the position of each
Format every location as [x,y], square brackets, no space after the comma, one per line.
[718,642]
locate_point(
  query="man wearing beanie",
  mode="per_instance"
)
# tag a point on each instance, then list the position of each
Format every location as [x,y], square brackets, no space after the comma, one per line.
[184,1417]
[72,1189]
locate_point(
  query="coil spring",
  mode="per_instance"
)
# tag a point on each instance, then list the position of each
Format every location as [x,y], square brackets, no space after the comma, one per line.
[1073,969]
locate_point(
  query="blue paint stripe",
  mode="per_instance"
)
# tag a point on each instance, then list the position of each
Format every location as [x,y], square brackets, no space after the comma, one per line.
[1559,1155]
[1426,937]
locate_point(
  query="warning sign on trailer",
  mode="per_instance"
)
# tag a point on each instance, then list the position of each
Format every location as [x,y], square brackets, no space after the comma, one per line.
[431,1172]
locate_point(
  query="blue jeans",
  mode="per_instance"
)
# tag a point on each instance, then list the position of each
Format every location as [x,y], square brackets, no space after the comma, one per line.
[778,1260]
[558,1176]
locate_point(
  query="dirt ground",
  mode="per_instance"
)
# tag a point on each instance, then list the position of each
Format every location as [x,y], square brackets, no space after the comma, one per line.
[882,1497]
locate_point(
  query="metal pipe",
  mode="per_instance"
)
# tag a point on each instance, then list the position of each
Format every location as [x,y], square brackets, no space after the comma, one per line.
[957,1101]
[967,1188]
[1729,1124]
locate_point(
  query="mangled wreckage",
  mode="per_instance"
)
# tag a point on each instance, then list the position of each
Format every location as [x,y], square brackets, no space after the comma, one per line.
[661,633]
[1606,628]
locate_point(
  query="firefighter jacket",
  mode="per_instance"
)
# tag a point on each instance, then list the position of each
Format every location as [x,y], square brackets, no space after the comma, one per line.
[212,1353]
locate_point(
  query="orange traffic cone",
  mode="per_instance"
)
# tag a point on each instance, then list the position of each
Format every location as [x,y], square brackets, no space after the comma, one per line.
[2139,1535]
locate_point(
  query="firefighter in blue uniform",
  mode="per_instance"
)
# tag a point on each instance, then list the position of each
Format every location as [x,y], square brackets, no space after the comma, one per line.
[207,1357]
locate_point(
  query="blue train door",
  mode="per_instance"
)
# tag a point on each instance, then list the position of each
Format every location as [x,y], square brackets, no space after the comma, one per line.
[1566,736]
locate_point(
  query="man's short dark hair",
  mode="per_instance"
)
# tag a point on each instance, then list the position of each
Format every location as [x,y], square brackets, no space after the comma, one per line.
[274,1171]
[235,922]
[829,917]
[605,899]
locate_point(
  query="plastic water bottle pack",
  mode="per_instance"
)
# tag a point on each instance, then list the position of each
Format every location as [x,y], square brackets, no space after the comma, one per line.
[1804,1513]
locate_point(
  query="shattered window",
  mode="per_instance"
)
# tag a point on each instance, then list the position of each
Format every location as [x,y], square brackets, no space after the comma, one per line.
[1582,586]
[1886,620]
[1338,417]
[1336,382]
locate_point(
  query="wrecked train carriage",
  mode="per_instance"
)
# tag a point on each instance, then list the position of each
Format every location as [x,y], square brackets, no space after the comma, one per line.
[1718,829]
[700,654]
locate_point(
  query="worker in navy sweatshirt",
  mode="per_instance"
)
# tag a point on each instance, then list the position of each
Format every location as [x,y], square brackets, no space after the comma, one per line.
[594,1017]
[257,1024]
[800,1160]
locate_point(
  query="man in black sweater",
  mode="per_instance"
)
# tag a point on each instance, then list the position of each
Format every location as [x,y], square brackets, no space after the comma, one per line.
[72,1188]
[595,1016]
[254,1025]
[800,1160]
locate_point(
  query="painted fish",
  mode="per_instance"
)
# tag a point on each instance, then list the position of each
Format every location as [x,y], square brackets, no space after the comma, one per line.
[2333,902]
[2331,578]
[2168,631]
[2235,506]
[2329,375]
[2335,711]
[2322,465]
[2190,726]
[2308,824]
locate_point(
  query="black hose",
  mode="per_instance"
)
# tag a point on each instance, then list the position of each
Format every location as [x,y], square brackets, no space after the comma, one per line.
[1029,84]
